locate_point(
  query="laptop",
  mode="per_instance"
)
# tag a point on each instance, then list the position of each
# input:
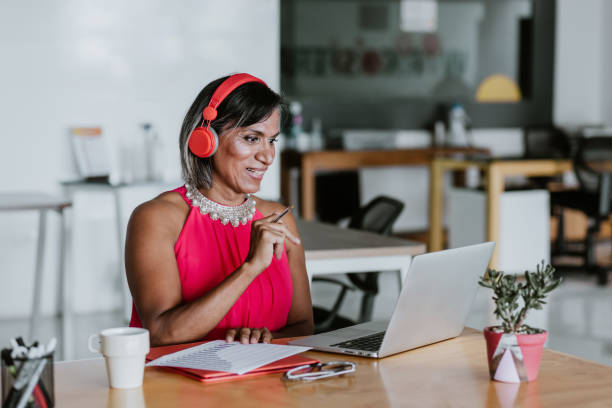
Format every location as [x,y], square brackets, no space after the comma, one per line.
[433,306]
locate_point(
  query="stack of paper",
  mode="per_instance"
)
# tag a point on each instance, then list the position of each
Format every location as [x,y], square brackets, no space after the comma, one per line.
[228,357]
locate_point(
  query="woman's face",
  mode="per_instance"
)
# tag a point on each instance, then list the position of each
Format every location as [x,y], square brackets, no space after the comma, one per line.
[243,156]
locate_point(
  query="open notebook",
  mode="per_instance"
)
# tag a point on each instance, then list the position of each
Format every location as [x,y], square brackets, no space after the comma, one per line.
[208,376]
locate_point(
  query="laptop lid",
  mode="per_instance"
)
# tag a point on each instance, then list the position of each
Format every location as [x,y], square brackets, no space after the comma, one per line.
[436,297]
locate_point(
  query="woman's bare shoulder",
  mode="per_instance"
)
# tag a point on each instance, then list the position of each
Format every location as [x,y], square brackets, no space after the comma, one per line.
[164,214]
[267,207]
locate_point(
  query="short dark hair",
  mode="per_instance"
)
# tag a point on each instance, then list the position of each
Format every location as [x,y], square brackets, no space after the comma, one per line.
[250,103]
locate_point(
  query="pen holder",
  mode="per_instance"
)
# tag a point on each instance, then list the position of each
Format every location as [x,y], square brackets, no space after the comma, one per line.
[28,383]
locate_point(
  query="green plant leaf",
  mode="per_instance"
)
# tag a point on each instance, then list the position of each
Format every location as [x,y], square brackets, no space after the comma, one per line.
[508,292]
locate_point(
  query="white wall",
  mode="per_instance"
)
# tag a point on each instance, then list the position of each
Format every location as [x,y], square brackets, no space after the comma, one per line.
[583,58]
[113,64]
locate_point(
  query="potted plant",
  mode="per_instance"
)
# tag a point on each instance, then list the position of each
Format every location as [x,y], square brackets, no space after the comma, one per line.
[514,348]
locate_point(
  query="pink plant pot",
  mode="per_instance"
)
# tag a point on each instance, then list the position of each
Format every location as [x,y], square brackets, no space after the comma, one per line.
[514,357]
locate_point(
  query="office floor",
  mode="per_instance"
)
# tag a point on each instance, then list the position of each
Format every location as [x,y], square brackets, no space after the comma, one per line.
[577,316]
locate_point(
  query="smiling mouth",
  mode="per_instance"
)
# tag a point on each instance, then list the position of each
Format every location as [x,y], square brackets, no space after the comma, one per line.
[258,173]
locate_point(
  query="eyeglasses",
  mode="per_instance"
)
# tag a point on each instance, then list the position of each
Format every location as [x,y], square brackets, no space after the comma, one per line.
[317,371]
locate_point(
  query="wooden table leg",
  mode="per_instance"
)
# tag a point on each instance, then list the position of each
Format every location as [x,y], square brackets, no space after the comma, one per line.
[495,188]
[436,181]
[308,190]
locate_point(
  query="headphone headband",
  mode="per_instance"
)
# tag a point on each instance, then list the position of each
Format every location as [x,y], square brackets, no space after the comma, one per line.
[203,141]
[226,87]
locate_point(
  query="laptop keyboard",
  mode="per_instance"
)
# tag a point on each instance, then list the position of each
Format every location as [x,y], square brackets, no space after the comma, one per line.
[370,342]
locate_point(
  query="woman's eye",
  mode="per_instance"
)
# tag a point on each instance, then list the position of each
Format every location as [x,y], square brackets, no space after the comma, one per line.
[251,139]
[273,140]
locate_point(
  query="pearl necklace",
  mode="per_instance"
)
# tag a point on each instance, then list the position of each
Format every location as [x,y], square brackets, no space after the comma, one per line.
[237,215]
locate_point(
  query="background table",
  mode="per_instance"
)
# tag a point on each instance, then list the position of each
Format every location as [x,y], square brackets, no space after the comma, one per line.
[310,162]
[331,249]
[447,374]
[43,202]
[495,171]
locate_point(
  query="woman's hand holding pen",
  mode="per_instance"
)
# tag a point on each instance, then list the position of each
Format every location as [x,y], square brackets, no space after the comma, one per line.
[268,235]
[267,238]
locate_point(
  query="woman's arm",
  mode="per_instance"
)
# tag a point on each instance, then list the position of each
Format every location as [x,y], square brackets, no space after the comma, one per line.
[153,274]
[154,281]
[299,321]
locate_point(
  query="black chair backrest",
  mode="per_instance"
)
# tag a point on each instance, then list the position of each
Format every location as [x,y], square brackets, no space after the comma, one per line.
[546,141]
[593,168]
[591,151]
[377,216]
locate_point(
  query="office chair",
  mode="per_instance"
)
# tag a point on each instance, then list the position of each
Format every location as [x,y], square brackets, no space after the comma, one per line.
[545,142]
[377,216]
[593,168]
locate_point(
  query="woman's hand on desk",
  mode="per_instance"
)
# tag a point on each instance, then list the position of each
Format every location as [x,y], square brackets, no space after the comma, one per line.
[267,239]
[247,335]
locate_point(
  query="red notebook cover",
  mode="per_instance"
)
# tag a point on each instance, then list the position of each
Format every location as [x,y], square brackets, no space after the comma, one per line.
[208,376]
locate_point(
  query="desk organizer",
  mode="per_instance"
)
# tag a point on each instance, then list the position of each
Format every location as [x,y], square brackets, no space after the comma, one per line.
[28,382]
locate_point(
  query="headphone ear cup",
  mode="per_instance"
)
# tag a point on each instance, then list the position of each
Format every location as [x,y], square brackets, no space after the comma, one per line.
[203,142]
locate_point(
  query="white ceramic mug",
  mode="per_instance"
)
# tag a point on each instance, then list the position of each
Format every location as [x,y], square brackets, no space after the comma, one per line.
[124,349]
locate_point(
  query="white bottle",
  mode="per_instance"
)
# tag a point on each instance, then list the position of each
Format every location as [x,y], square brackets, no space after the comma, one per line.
[296,124]
[439,133]
[316,135]
[457,126]
[298,139]
[153,152]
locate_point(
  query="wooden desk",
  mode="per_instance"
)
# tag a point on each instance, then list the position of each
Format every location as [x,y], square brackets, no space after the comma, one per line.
[495,171]
[452,373]
[311,162]
[601,166]
[42,202]
[330,249]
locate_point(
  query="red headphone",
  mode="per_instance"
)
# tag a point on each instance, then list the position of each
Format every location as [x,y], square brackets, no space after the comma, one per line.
[203,141]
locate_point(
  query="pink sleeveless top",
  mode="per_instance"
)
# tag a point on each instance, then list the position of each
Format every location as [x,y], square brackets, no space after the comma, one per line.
[207,252]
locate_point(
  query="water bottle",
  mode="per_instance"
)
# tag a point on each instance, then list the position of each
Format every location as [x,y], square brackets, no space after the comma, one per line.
[457,126]
[316,135]
[439,133]
[153,151]
[297,138]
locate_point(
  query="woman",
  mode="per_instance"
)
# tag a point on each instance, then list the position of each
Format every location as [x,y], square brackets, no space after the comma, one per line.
[198,266]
